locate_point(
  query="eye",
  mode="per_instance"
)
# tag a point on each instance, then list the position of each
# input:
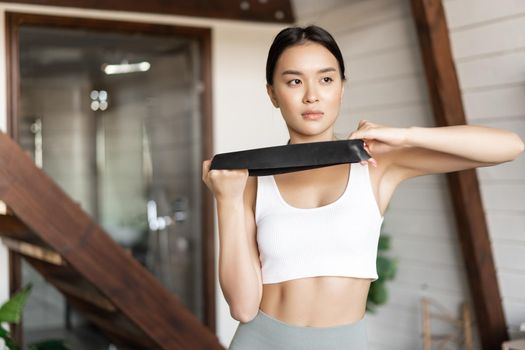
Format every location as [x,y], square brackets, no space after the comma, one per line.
[327,80]
[294,82]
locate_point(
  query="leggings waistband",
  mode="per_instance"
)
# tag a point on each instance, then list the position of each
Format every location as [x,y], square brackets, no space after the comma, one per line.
[292,326]
[265,332]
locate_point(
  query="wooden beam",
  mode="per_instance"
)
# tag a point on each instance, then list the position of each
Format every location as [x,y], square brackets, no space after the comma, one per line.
[245,10]
[445,95]
[12,227]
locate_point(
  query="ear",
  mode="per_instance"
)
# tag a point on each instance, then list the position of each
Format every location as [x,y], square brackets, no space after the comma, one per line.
[271,94]
[342,92]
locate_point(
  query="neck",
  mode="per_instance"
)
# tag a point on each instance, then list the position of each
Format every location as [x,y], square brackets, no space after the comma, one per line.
[333,138]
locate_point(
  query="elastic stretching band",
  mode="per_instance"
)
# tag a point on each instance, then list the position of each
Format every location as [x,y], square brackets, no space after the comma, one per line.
[292,157]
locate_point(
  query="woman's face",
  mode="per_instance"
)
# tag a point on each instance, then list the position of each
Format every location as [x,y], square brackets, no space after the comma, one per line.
[308,88]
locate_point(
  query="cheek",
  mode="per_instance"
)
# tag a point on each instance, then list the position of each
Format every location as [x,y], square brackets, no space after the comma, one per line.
[290,98]
[333,98]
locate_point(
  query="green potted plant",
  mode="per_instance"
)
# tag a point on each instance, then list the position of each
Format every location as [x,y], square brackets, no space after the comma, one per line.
[11,312]
[386,270]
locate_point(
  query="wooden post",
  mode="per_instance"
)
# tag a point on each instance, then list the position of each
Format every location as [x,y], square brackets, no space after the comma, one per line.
[427,331]
[467,324]
[447,105]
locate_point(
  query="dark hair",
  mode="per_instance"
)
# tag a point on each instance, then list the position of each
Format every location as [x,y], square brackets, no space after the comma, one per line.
[298,35]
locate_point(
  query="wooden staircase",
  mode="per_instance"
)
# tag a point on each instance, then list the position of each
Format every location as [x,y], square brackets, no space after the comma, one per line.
[97,277]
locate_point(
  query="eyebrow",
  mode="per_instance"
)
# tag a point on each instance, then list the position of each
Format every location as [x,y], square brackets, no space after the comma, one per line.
[296,72]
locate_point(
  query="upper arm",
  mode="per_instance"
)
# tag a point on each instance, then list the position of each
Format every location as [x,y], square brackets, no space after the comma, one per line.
[410,162]
[401,164]
[250,194]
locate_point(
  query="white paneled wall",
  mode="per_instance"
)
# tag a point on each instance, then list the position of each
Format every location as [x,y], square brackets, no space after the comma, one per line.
[386,84]
[488,42]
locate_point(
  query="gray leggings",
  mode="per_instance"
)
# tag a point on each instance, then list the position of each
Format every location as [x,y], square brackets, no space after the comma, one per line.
[265,332]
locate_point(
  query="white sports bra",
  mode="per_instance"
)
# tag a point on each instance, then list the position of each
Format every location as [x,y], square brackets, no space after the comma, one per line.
[337,239]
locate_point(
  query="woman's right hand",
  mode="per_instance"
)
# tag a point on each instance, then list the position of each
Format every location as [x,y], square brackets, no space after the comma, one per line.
[224,183]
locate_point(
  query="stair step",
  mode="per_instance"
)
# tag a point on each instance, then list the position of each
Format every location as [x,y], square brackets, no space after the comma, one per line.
[33,251]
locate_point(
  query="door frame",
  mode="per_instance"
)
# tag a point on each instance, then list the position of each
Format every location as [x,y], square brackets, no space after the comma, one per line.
[13,20]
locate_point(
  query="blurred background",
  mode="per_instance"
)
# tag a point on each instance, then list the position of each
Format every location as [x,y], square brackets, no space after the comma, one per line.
[122,119]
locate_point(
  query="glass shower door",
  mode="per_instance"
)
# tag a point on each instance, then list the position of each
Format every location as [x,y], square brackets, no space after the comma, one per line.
[114,119]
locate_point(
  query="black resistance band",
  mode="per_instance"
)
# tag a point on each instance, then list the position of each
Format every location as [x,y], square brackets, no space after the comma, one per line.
[292,157]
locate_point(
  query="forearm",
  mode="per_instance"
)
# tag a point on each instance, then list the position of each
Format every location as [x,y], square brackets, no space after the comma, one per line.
[473,142]
[237,275]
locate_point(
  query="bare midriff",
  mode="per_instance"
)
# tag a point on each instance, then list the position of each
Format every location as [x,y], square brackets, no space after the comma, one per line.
[323,301]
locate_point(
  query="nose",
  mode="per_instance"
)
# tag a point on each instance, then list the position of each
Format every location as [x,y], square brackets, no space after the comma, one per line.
[310,95]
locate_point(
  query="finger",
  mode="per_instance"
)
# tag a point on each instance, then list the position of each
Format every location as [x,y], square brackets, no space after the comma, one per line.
[369,123]
[357,135]
[362,134]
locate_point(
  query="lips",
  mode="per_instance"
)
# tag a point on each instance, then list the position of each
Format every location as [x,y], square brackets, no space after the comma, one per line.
[312,115]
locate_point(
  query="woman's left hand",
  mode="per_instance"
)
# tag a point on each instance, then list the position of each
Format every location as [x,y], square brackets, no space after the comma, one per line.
[378,138]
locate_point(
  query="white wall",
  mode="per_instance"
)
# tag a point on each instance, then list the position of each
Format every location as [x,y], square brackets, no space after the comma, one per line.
[243,115]
[386,84]
[488,42]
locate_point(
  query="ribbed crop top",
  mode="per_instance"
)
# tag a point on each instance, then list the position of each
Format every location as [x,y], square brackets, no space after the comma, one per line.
[337,239]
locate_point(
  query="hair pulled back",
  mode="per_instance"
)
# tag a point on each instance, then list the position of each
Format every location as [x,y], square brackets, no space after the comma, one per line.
[299,35]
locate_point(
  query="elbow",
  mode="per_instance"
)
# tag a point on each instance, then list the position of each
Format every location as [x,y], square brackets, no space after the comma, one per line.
[511,150]
[246,309]
[244,315]
[519,148]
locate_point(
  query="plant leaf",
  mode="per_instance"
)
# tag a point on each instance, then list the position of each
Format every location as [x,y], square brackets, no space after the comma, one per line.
[379,293]
[9,343]
[384,242]
[51,344]
[384,266]
[11,311]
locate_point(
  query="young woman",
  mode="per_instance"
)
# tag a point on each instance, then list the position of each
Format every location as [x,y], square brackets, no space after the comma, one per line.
[298,250]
